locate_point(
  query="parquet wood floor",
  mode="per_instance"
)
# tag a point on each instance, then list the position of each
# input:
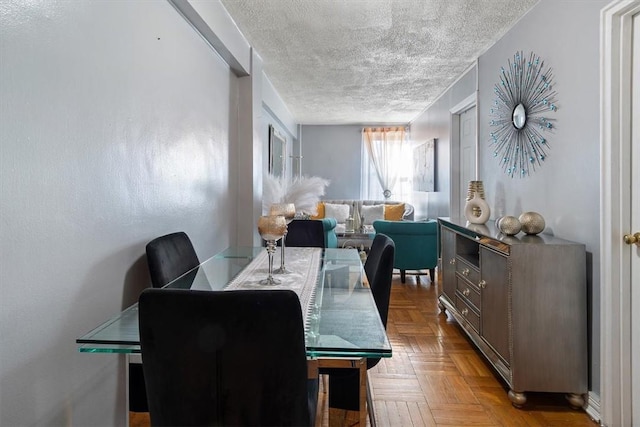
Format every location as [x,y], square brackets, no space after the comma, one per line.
[437,378]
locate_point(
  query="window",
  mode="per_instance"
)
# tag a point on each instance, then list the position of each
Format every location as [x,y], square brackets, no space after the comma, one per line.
[387,164]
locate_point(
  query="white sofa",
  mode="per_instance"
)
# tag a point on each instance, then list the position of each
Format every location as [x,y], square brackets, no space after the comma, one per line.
[408,209]
[345,240]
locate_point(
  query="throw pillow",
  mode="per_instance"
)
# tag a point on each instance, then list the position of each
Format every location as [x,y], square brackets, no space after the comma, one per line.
[319,211]
[394,212]
[338,211]
[372,213]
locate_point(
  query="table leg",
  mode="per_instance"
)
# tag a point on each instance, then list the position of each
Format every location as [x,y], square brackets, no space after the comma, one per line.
[128,360]
[344,417]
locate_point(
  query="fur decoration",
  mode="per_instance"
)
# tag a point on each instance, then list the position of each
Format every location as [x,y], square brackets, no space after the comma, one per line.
[272,192]
[304,192]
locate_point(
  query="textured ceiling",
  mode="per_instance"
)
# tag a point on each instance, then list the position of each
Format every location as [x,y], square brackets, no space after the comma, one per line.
[369,61]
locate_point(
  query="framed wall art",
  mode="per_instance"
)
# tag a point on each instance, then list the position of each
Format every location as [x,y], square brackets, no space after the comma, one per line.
[277,152]
[424,166]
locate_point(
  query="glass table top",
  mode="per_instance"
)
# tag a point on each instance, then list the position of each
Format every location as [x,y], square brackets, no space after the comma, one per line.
[342,322]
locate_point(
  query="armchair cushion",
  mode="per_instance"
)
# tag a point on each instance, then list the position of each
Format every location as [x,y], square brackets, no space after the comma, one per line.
[330,238]
[416,243]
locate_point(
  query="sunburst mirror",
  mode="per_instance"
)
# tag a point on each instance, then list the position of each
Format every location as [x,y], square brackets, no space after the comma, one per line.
[519,115]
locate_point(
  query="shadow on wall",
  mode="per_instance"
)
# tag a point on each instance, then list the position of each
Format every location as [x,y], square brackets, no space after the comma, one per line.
[500,205]
[136,280]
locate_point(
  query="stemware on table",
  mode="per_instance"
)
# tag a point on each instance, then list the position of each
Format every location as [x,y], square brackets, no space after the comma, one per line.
[271,229]
[288,210]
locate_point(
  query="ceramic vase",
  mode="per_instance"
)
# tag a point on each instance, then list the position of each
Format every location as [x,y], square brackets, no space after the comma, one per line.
[475,187]
[477,210]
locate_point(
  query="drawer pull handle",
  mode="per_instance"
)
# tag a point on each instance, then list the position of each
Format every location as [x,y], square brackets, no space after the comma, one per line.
[452,261]
[465,272]
[465,311]
[466,292]
[483,284]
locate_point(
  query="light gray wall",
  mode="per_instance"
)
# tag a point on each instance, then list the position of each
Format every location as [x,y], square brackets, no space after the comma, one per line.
[269,118]
[115,129]
[435,122]
[565,190]
[333,153]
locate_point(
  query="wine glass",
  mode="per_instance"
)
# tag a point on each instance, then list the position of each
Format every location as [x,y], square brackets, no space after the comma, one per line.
[288,211]
[271,228]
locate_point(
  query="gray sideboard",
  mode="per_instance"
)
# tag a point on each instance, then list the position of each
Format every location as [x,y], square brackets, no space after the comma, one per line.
[523,301]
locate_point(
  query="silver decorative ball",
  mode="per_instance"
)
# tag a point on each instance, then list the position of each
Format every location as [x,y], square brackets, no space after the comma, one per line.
[532,222]
[510,225]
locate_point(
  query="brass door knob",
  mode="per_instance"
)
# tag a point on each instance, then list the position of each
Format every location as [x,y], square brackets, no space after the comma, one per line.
[632,239]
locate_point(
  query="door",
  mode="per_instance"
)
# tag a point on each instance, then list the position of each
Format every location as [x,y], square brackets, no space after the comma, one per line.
[495,302]
[635,225]
[620,181]
[467,153]
[448,280]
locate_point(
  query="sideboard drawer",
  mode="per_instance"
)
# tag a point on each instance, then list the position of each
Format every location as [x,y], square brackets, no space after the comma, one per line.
[469,292]
[468,271]
[468,313]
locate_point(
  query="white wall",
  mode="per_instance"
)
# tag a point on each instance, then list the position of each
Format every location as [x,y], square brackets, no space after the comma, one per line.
[115,129]
[565,190]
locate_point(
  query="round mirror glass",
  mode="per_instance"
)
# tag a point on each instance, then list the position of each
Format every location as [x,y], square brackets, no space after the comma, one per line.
[519,116]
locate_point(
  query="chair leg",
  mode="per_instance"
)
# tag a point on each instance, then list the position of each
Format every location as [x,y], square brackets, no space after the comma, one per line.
[370,411]
[432,275]
[403,276]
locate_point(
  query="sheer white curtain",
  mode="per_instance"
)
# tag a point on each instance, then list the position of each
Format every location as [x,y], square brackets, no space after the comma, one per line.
[384,151]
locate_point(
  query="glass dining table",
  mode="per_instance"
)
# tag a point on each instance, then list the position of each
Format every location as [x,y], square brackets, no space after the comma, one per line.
[342,323]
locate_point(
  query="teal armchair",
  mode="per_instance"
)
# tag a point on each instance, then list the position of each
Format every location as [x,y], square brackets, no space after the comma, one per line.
[330,237]
[416,244]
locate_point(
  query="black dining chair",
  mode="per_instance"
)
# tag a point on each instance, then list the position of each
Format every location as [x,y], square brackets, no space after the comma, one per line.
[225,358]
[305,232]
[379,270]
[169,257]
[344,387]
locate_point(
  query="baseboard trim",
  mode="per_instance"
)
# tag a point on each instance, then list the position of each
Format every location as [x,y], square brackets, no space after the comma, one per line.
[593,407]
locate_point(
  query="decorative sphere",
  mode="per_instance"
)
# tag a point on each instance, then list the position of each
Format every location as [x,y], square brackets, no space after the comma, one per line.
[497,223]
[510,225]
[532,222]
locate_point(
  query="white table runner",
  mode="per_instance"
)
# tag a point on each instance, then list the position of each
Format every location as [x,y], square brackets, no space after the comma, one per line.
[303,264]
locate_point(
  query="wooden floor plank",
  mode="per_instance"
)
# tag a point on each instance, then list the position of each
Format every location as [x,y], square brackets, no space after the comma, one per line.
[462,414]
[421,414]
